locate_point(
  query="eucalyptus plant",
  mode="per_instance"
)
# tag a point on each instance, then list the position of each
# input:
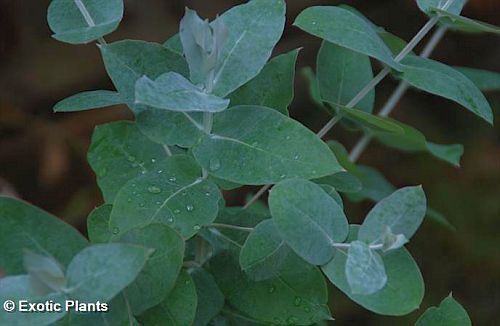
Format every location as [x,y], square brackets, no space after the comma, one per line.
[211,114]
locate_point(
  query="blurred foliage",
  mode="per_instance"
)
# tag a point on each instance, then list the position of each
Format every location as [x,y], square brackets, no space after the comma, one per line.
[43,155]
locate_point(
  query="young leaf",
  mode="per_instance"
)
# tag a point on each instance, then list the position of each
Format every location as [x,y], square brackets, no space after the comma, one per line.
[254,29]
[46,273]
[158,276]
[403,212]
[19,287]
[28,227]
[127,61]
[403,292]
[173,92]
[264,252]
[391,241]
[98,224]
[119,152]
[210,298]
[413,140]
[178,308]
[82,21]
[449,313]
[309,220]
[290,298]
[88,101]
[364,269]
[439,79]
[273,87]
[97,273]
[342,73]
[485,80]
[177,197]
[428,6]
[171,128]
[280,148]
[371,121]
[342,181]
[333,193]
[346,29]
[465,24]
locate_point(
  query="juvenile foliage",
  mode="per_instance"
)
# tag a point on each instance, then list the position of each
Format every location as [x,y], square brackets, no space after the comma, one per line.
[210,113]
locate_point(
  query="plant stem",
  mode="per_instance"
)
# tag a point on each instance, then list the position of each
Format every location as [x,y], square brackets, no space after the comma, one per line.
[396,96]
[348,245]
[208,119]
[229,226]
[88,19]
[374,82]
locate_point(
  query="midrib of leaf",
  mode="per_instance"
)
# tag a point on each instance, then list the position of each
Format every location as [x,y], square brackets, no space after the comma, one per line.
[85,13]
[165,202]
[280,245]
[226,59]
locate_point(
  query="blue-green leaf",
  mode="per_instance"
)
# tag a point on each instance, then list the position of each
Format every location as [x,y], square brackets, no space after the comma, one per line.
[346,29]
[309,220]
[127,61]
[174,194]
[120,152]
[342,73]
[28,227]
[210,298]
[485,80]
[46,273]
[82,21]
[464,24]
[88,100]
[279,149]
[254,28]
[171,91]
[428,6]
[98,224]
[403,212]
[449,313]
[364,269]
[439,79]
[273,87]
[97,273]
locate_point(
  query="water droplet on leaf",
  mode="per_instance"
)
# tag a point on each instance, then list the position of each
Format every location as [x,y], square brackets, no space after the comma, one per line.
[116,230]
[214,164]
[297,301]
[271,289]
[196,227]
[154,189]
[189,208]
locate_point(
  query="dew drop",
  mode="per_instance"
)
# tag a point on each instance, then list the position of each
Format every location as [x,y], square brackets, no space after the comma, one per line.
[154,189]
[208,194]
[158,203]
[130,158]
[129,200]
[159,171]
[283,176]
[297,301]
[296,157]
[313,171]
[172,179]
[134,185]
[184,193]
[196,227]
[292,320]
[142,205]
[153,160]
[307,309]
[116,230]
[177,211]
[189,208]
[287,137]
[170,220]
[214,164]
[271,289]
[277,321]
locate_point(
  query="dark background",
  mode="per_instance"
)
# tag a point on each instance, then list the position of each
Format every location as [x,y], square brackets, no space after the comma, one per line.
[43,155]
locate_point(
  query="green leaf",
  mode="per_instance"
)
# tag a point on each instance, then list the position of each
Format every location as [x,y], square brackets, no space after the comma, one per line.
[290,298]
[333,193]
[119,152]
[46,273]
[280,148]
[178,308]
[449,313]
[177,197]
[264,252]
[346,29]
[403,292]
[364,269]
[485,80]
[97,273]
[28,227]
[98,224]
[174,44]
[309,220]
[342,73]
[428,6]
[374,185]
[403,212]
[158,276]
[82,21]
[371,121]
[273,87]
[254,29]
[465,24]
[173,92]
[88,100]
[313,84]
[127,61]
[210,298]
[171,128]
[439,79]
[18,288]
[342,181]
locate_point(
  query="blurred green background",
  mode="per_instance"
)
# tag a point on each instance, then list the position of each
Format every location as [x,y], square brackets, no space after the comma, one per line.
[43,155]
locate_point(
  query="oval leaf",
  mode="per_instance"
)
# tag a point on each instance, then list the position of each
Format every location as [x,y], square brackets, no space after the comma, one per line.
[364,269]
[88,100]
[449,313]
[309,219]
